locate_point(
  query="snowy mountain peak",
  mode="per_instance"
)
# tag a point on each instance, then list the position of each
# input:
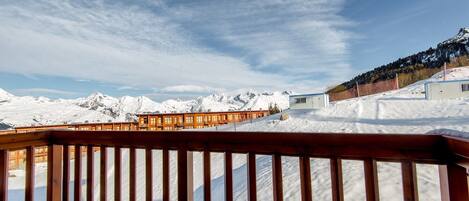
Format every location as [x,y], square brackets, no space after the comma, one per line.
[4,93]
[5,96]
[461,37]
[96,100]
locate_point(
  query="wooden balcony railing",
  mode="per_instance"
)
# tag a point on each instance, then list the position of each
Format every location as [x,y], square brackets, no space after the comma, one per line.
[452,154]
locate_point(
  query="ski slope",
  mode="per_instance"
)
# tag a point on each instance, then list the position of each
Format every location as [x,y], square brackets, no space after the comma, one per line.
[399,111]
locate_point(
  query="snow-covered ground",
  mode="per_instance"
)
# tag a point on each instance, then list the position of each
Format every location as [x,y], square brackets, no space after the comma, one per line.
[399,111]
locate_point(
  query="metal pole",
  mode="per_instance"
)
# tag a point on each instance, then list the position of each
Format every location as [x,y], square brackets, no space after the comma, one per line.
[444,72]
[397,80]
[358,90]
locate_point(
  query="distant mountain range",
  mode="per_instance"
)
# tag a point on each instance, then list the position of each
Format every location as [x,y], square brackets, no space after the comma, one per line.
[27,110]
[454,51]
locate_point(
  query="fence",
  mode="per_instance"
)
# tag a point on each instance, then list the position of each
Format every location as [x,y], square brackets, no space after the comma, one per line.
[452,154]
[401,80]
[365,90]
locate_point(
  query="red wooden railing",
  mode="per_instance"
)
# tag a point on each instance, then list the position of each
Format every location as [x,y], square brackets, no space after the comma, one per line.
[449,152]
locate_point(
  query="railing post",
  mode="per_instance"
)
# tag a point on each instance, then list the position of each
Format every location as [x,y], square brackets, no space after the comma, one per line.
[77,182]
[228,176]
[166,175]
[190,176]
[66,173]
[4,174]
[444,188]
[457,183]
[182,174]
[277,177]
[148,174]
[132,174]
[90,173]
[54,173]
[305,178]
[29,188]
[117,173]
[103,174]
[251,166]
[371,180]
[207,176]
[409,181]
[336,180]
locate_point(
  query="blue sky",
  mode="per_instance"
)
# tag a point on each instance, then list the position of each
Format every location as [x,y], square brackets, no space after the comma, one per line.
[181,49]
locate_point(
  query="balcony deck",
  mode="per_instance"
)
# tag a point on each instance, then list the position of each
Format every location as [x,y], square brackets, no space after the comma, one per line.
[451,153]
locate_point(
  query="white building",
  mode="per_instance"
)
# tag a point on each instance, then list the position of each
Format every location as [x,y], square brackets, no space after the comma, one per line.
[446,89]
[309,101]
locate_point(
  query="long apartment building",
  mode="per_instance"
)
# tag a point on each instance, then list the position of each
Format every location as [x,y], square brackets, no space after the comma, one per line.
[146,122]
[109,126]
[177,121]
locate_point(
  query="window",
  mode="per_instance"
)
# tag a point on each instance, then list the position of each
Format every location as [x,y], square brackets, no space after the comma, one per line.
[300,100]
[199,119]
[167,120]
[189,120]
[152,121]
[465,87]
[144,120]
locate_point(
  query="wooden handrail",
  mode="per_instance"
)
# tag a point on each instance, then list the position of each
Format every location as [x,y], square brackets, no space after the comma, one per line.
[385,147]
[446,151]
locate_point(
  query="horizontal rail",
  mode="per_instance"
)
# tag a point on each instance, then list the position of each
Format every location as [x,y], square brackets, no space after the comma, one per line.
[21,141]
[386,147]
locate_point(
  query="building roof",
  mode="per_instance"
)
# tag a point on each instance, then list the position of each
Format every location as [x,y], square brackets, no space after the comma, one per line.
[182,113]
[316,94]
[75,124]
[447,81]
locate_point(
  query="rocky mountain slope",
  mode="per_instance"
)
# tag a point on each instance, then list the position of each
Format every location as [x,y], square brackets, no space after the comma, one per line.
[454,51]
[27,110]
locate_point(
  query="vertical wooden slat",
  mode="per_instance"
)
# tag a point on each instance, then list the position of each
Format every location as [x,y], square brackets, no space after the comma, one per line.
[444,188]
[103,174]
[409,181]
[66,174]
[457,183]
[54,173]
[277,177]
[207,176]
[182,174]
[251,165]
[89,173]
[371,180]
[148,174]
[228,176]
[29,188]
[117,173]
[305,179]
[190,176]
[132,174]
[4,174]
[336,180]
[165,175]
[77,183]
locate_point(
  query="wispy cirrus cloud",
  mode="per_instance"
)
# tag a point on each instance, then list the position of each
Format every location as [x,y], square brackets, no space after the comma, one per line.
[35,91]
[178,46]
[190,89]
